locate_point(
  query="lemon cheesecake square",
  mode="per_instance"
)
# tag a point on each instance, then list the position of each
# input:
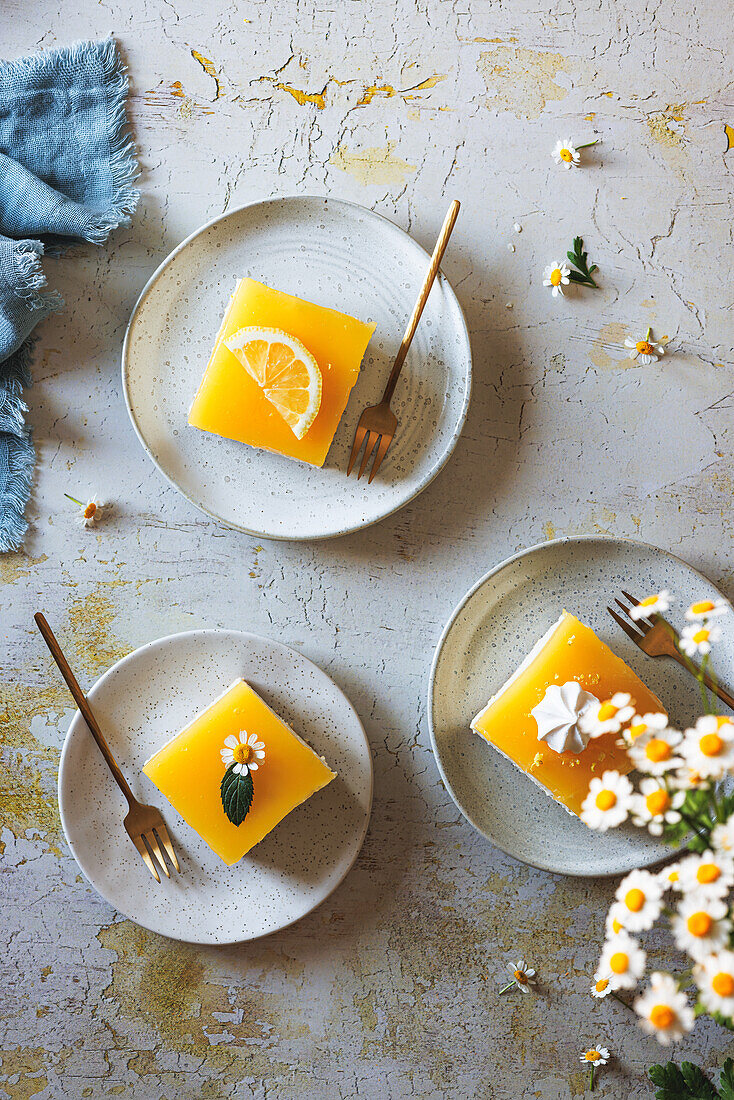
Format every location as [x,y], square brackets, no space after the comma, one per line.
[230,402]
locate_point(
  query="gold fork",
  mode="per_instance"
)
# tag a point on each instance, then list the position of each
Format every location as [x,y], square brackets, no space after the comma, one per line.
[657,638]
[379,420]
[144,824]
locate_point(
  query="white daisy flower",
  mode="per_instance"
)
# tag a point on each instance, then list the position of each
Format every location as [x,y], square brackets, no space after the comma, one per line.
[652,605]
[715,980]
[609,716]
[556,276]
[645,351]
[566,153]
[701,926]
[523,976]
[607,803]
[670,876]
[601,987]
[598,1057]
[708,748]
[722,836]
[698,638]
[709,874]
[639,897]
[242,750]
[688,779]
[655,806]
[651,744]
[90,513]
[707,609]
[663,1010]
[614,922]
[623,960]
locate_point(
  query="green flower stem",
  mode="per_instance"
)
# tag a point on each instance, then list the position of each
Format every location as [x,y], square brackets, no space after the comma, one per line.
[508,986]
[618,998]
[587,144]
[694,825]
[73,500]
[591,1079]
[690,665]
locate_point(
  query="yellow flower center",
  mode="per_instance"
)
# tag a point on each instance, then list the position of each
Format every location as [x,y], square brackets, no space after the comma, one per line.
[592,1055]
[723,984]
[673,876]
[648,600]
[566,154]
[601,985]
[607,710]
[662,1016]
[708,872]
[605,800]
[702,607]
[616,926]
[721,721]
[556,277]
[657,802]
[634,900]
[694,779]
[90,510]
[521,976]
[644,347]
[658,750]
[699,924]
[242,754]
[711,744]
[619,962]
[701,635]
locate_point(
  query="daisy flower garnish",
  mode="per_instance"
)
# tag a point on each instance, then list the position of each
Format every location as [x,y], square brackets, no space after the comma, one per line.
[715,980]
[651,744]
[707,609]
[663,1010]
[639,900]
[645,351]
[623,960]
[599,1056]
[90,512]
[655,806]
[698,638]
[708,748]
[609,716]
[601,987]
[242,752]
[722,836]
[556,276]
[670,876]
[701,927]
[652,605]
[708,874]
[607,803]
[523,976]
[568,154]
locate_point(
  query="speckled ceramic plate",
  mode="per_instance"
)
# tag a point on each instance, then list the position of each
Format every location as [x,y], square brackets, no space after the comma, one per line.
[336,254]
[141,702]
[488,635]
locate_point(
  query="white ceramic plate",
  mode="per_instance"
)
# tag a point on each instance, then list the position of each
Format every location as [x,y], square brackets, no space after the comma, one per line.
[336,254]
[141,702]
[489,633]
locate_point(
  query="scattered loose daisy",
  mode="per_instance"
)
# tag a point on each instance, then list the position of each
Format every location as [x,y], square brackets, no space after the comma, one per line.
[707,609]
[710,874]
[609,716]
[715,980]
[722,836]
[598,1056]
[652,745]
[523,976]
[701,927]
[614,922]
[90,513]
[242,750]
[556,276]
[601,987]
[663,1010]
[645,351]
[708,748]
[652,605]
[656,806]
[607,803]
[670,876]
[622,960]
[698,638]
[639,898]
[568,154]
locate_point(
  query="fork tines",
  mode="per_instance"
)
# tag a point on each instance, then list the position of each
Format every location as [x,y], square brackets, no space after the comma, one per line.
[635,629]
[381,440]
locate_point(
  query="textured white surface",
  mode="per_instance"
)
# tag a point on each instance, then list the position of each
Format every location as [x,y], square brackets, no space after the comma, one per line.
[394,979]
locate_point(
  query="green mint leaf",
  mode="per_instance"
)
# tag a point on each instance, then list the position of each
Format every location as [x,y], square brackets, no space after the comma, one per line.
[726,1084]
[236,792]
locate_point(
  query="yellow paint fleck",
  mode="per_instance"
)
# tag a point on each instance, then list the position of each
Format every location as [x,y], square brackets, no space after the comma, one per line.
[17,565]
[549,530]
[304,98]
[373,90]
[372,164]
[208,67]
[612,334]
[657,124]
[522,80]
[590,117]
[23,1072]
[729,131]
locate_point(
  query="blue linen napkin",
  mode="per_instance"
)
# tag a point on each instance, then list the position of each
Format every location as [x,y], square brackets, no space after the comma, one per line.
[67,170]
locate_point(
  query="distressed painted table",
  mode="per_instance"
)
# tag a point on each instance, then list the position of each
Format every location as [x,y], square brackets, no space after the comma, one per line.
[390,988]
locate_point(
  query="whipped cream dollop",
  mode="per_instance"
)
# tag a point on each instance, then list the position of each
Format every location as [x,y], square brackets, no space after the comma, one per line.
[558,715]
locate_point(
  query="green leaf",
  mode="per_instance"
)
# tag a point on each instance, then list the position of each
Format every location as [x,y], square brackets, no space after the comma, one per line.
[237,792]
[726,1084]
[697,1082]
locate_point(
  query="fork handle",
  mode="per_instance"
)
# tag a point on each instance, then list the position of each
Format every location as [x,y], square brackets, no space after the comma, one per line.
[81,701]
[710,683]
[441,244]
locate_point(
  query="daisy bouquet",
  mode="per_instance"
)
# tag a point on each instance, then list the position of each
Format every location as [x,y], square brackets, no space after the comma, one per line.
[679,794]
